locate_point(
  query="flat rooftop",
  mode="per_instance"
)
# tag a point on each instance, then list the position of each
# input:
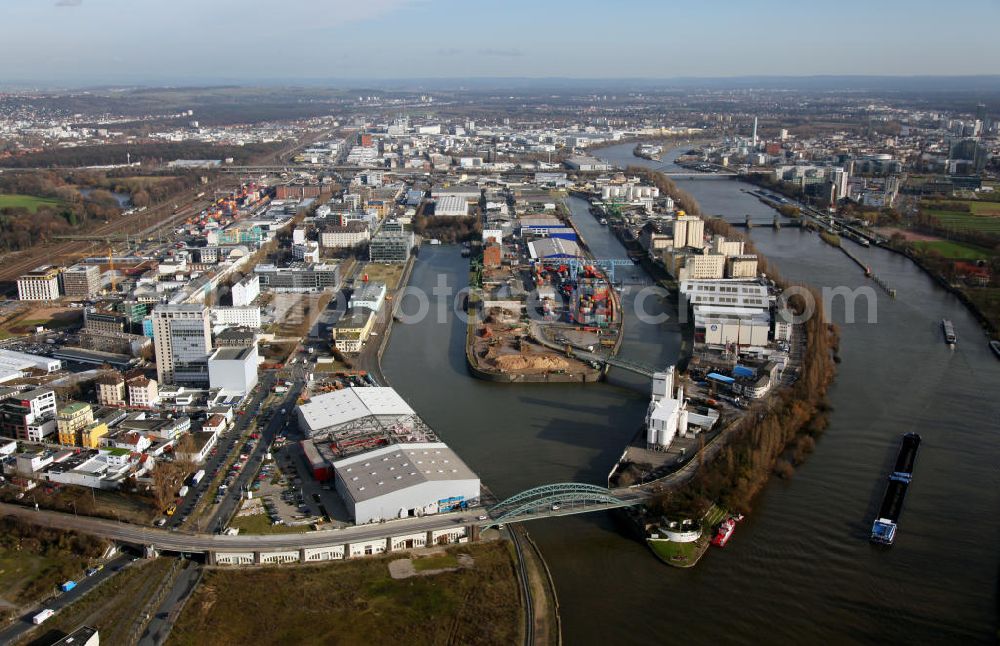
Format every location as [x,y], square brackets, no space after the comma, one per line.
[350,404]
[393,468]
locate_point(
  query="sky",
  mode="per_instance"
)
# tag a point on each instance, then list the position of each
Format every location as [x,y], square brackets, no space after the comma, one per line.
[150,41]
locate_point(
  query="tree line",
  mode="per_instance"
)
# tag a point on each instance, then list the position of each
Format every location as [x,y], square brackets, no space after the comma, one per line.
[21,228]
[152,153]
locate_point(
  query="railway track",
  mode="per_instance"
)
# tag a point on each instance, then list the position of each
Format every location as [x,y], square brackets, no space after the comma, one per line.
[529,602]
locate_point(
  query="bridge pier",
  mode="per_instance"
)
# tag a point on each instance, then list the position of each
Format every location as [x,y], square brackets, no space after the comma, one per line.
[150,552]
[256,558]
[210,558]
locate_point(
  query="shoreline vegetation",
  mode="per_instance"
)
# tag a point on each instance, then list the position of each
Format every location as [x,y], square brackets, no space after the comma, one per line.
[774,440]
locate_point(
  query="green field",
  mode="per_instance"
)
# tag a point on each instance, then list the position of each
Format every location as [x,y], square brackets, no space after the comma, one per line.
[356,602]
[29,202]
[982,216]
[953,250]
[261,524]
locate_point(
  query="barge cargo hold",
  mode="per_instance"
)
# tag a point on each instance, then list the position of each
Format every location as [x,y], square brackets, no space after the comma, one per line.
[884,528]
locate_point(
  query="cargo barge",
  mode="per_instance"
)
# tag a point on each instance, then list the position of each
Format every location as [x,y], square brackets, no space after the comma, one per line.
[884,528]
[949,332]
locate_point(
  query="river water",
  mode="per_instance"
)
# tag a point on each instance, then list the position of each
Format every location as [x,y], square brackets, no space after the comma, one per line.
[799,569]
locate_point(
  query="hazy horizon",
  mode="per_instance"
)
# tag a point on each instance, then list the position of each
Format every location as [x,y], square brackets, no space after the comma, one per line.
[85,42]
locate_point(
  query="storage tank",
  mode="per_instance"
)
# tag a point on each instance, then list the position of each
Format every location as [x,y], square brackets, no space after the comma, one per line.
[651,435]
[665,436]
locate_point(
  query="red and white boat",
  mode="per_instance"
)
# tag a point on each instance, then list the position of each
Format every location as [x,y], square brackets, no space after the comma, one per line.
[725,530]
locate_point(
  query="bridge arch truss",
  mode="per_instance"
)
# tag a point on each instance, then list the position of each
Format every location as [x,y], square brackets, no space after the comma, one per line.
[557,499]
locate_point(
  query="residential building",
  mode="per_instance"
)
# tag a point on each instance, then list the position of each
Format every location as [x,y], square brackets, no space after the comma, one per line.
[39,284]
[143,392]
[246,290]
[111,389]
[71,419]
[183,340]
[350,234]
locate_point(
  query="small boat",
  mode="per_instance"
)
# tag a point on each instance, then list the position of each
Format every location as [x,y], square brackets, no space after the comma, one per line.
[604,221]
[949,332]
[725,531]
[995,346]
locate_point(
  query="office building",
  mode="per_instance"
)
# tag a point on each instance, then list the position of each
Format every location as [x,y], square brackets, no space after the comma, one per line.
[234,370]
[299,277]
[370,295]
[39,284]
[237,316]
[392,244]
[29,416]
[183,340]
[82,282]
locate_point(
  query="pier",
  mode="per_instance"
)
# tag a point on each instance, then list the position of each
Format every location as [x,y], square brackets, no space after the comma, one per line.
[868,272]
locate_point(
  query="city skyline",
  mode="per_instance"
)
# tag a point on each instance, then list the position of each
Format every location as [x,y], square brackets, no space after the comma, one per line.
[107,41]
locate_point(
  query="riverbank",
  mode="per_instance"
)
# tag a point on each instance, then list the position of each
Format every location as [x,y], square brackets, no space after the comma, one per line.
[767,438]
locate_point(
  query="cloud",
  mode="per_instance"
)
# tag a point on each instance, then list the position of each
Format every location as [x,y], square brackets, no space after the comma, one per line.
[503,53]
[69,3]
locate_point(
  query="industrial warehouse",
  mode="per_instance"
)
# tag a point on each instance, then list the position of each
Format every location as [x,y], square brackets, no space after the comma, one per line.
[385,461]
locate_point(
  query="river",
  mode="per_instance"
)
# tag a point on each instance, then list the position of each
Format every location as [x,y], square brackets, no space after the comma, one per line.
[799,569]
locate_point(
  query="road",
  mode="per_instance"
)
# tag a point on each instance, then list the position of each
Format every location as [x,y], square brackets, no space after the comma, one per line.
[84,585]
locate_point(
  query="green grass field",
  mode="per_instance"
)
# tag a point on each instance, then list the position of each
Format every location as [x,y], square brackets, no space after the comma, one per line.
[29,202]
[261,524]
[953,250]
[982,216]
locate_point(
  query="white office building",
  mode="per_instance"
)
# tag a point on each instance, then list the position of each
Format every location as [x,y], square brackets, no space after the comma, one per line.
[234,370]
[237,316]
[39,284]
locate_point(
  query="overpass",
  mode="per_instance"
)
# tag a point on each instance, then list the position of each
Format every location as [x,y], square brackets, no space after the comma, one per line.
[546,501]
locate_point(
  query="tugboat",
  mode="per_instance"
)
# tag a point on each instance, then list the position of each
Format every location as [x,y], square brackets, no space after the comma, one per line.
[949,332]
[725,530]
